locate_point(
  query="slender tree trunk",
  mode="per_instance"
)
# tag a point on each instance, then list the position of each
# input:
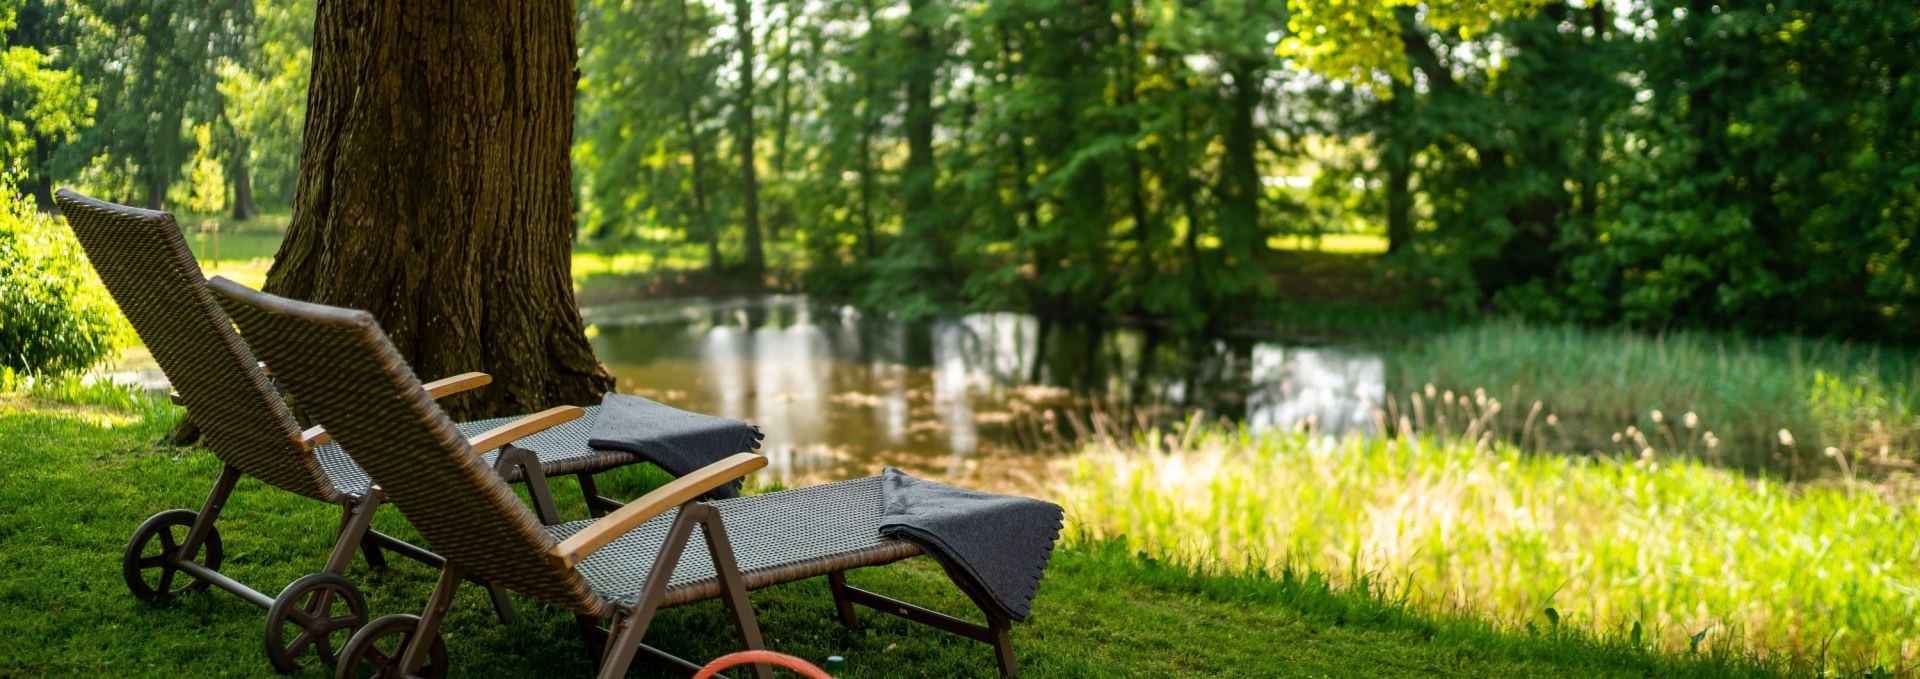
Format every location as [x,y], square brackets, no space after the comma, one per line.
[701,215]
[436,192]
[38,183]
[917,191]
[1017,143]
[756,263]
[1137,178]
[1590,149]
[867,124]
[702,218]
[921,248]
[1240,218]
[784,120]
[1398,159]
[244,207]
[155,197]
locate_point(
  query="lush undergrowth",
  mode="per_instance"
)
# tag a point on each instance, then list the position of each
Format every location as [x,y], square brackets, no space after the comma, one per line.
[1854,399]
[1668,552]
[82,474]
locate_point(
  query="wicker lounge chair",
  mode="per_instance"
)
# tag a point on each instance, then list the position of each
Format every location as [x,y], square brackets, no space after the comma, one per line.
[146,266]
[625,566]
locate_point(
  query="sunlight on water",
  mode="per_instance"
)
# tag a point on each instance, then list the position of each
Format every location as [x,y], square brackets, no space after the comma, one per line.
[979,397]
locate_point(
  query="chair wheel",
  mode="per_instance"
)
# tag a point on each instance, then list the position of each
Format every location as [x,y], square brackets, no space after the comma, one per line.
[321,610]
[148,563]
[376,649]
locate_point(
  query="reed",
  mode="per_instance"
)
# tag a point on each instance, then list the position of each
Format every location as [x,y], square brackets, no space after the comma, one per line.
[1856,399]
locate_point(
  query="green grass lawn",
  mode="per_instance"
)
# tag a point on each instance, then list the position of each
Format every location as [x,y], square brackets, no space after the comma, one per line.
[82,474]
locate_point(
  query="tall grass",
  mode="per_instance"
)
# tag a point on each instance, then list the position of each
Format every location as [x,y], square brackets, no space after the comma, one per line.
[1856,399]
[1681,550]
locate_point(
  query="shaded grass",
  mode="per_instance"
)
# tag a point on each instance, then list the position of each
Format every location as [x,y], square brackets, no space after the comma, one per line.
[82,475]
[1811,575]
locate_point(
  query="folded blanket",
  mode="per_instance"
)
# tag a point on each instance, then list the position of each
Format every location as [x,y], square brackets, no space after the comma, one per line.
[995,547]
[679,441]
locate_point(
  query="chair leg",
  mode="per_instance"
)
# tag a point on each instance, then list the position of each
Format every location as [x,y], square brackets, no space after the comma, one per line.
[624,642]
[437,606]
[733,585]
[1003,647]
[210,510]
[534,475]
[597,505]
[630,625]
[375,557]
[356,518]
[837,582]
[595,638]
[502,604]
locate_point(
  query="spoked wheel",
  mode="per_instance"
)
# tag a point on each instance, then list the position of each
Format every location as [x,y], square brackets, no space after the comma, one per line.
[149,561]
[375,651]
[319,611]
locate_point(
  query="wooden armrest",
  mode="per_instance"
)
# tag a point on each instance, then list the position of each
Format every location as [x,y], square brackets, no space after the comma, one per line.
[680,491]
[264,369]
[314,437]
[448,386]
[521,428]
[174,396]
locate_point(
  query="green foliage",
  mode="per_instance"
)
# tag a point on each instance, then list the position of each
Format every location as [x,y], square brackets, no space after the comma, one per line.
[41,104]
[1655,163]
[1060,156]
[263,90]
[55,319]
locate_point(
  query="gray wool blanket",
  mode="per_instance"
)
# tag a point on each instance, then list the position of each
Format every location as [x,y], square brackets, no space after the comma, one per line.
[680,442]
[995,547]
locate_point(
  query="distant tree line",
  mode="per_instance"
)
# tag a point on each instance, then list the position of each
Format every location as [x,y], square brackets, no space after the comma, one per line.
[1753,166]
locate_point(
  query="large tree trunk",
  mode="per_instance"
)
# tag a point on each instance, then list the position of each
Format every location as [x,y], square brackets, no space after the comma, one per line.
[756,263]
[436,192]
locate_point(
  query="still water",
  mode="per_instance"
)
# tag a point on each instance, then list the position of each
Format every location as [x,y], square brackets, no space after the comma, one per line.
[981,398]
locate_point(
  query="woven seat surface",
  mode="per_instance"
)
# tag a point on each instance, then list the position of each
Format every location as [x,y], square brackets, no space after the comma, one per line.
[562,450]
[777,538]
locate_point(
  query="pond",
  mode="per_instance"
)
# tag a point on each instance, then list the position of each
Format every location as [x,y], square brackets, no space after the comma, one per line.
[981,397]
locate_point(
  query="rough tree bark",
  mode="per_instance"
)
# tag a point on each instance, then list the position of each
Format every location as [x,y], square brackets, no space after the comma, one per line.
[435,192]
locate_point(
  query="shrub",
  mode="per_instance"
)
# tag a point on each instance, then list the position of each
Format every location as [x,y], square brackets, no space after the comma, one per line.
[55,318]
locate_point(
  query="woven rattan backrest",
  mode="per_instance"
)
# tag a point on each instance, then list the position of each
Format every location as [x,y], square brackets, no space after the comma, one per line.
[147,268]
[348,375]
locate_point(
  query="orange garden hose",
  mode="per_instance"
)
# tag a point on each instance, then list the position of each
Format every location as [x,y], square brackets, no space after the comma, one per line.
[805,668]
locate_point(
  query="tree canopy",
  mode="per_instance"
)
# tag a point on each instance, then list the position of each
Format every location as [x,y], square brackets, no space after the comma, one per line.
[1656,162]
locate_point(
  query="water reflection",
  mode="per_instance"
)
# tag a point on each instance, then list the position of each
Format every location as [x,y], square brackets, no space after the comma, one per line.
[841,393]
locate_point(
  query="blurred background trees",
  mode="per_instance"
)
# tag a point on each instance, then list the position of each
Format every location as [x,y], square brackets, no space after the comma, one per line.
[1653,162]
